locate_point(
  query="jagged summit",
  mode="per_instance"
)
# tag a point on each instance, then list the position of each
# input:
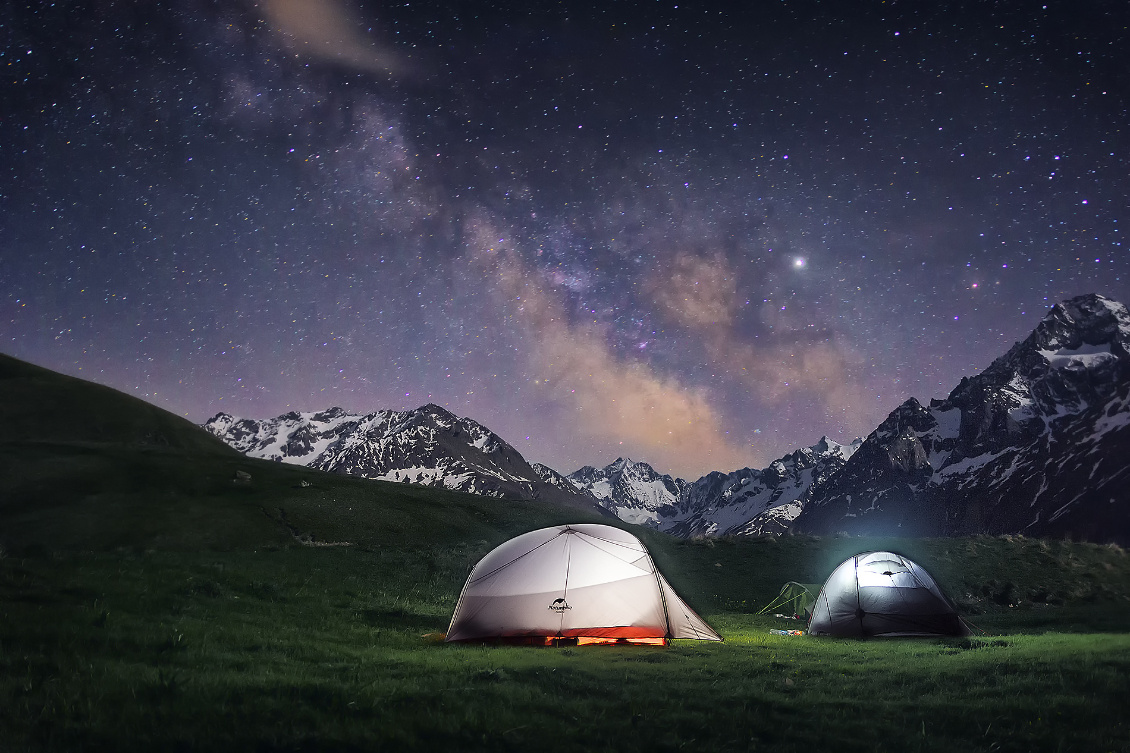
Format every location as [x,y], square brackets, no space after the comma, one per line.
[634,492]
[1082,334]
[1086,320]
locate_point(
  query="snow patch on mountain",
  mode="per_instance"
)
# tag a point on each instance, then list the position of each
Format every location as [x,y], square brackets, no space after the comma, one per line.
[1085,356]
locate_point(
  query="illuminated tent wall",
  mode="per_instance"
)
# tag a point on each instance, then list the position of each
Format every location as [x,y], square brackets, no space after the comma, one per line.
[883,594]
[588,582]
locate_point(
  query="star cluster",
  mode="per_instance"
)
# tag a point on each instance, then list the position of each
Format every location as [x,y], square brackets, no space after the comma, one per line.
[702,235]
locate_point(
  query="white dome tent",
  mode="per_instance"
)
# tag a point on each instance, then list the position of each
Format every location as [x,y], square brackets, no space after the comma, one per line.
[883,594]
[583,583]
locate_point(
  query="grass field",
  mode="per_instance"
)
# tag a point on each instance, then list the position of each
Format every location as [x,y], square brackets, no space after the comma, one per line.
[292,647]
[151,599]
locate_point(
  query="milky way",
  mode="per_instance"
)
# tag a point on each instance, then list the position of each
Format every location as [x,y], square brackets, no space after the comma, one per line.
[699,235]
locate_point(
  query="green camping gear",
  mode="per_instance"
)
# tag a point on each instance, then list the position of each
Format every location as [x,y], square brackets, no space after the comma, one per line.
[795,598]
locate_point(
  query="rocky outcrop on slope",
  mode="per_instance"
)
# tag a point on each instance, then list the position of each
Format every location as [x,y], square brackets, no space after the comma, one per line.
[1035,444]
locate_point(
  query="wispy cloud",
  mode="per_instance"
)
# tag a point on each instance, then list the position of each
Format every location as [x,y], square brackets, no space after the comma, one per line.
[329,30]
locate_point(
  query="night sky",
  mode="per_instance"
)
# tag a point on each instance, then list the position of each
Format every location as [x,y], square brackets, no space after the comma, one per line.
[700,235]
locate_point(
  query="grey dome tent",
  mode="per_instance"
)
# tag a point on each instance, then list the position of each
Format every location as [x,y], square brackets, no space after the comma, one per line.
[582,583]
[883,594]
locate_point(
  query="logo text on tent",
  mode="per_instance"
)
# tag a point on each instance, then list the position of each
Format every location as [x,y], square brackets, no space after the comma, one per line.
[559,606]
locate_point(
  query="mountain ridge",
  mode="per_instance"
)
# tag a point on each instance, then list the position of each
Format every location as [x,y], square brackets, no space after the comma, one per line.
[747,501]
[1045,424]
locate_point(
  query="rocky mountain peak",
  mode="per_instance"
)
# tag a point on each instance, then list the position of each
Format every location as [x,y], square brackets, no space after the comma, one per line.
[438,412]
[1074,333]
[1086,320]
[329,414]
[633,491]
[1075,358]
[824,445]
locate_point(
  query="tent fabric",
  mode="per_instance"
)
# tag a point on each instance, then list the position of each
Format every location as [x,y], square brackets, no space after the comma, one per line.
[574,581]
[883,594]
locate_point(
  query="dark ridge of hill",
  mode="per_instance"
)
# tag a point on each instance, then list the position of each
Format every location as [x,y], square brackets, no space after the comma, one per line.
[40,405]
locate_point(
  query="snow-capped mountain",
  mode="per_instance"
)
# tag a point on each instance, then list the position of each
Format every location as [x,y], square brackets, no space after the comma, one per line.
[1037,444]
[633,492]
[744,502]
[429,446]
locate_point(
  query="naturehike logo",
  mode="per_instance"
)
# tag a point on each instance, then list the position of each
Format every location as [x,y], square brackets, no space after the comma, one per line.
[559,606]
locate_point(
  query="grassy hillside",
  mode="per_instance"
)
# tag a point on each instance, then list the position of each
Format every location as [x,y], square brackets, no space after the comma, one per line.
[86,467]
[58,497]
[150,599]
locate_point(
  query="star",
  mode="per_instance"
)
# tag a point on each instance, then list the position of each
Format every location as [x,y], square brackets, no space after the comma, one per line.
[283,207]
